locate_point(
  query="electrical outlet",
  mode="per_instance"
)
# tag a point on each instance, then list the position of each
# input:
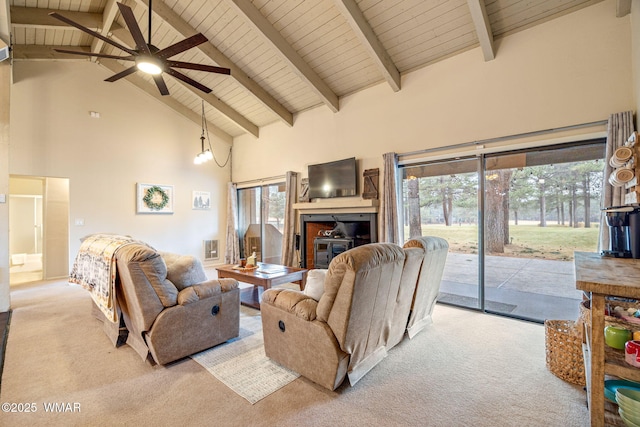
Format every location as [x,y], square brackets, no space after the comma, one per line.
[79,221]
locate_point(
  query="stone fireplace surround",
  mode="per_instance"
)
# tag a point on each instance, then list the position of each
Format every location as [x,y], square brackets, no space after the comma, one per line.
[359,216]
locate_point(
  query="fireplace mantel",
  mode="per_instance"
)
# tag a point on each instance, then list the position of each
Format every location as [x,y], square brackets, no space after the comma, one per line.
[337,205]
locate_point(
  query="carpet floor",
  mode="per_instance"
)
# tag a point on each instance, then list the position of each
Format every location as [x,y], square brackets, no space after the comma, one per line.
[466,369]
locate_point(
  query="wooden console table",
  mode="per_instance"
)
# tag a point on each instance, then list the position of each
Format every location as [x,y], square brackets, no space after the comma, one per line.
[602,277]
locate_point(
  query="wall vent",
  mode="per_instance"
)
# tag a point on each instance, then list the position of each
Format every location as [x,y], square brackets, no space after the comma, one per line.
[210,249]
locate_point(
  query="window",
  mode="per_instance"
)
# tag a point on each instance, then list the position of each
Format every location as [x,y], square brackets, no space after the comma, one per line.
[261,222]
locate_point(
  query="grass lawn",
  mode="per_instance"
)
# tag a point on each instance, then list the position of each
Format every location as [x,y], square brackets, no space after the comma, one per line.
[553,242]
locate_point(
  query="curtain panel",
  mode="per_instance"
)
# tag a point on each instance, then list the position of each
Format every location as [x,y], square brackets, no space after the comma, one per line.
[289,234]
[232,252]
[619,128]
[388,227]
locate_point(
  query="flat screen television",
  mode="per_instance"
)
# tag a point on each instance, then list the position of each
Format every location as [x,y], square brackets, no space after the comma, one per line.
[333,179]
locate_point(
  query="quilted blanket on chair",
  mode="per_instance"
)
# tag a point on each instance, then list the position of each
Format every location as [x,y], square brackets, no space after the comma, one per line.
[95,269]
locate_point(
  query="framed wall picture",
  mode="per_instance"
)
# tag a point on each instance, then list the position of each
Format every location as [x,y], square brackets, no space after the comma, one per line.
[201,200]
[154,199]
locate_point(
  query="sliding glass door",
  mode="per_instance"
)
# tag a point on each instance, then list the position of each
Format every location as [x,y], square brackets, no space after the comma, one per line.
[441,199]
[261,222]
[540,206]
[535,208]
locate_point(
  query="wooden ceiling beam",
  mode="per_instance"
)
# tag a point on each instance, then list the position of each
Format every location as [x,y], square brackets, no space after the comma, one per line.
[46,53]
[223,108]
[623,8]
[364,32]
[483,28]
[272,37]
[39,18]
[108,16]
[182,27]
[152,90]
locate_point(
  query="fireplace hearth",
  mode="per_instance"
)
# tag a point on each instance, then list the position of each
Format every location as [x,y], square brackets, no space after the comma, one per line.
[323,236]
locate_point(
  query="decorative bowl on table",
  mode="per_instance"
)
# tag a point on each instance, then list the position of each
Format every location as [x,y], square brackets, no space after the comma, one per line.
[617,337]
[611,386]
[629,406]
[627,421]
[632,353]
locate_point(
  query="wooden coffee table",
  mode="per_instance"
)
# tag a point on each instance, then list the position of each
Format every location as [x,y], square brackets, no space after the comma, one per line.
[262,278]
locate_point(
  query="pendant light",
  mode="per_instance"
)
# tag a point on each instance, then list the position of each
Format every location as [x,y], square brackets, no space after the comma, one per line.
[204,155]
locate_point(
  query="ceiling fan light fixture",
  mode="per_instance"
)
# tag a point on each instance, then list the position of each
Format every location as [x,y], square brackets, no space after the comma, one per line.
[149,65]
[148,58]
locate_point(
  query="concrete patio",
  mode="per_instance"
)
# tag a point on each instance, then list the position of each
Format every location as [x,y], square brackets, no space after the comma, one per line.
[532,289]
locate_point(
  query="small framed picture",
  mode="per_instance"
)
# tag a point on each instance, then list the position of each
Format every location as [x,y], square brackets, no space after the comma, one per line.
[201,200]
[154,199]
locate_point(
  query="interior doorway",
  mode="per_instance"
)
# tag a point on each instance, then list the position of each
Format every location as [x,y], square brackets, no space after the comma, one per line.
[38,228]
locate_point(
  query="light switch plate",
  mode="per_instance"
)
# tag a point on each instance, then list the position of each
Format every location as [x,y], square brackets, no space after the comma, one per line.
[3,198]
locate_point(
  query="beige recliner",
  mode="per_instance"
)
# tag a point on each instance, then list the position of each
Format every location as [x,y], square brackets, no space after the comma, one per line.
[168,307]
[414,256]
[435,251]
[346,332]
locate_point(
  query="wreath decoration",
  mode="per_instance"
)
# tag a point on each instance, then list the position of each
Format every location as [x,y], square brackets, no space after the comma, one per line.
[150,198]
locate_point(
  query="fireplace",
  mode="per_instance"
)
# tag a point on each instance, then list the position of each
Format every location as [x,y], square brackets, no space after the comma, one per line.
[323,236]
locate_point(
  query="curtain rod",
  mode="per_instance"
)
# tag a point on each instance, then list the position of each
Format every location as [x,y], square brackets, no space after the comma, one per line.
[503,138]
[270,178]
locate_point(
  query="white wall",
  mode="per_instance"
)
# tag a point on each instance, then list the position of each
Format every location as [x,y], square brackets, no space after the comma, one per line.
[136,140]
[5,100]
[635,46]
[572,70]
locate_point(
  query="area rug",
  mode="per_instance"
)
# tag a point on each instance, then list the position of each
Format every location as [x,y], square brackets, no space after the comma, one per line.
[241,364]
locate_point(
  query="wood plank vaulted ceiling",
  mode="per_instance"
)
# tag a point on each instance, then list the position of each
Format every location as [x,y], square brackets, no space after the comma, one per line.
[285,56]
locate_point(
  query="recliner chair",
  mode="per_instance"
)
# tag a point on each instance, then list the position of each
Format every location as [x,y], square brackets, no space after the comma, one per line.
[166,320]
[428,286]
[344,334]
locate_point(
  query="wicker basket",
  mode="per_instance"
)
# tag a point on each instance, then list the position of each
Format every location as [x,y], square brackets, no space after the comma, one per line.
[564,357]
[585,315]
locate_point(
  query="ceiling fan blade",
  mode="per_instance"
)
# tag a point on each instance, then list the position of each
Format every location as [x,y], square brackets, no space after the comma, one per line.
[181,46]
[99,55]
[188,80]
[134,29]
[162,86]
[122,74]
[199,67]
[91,32]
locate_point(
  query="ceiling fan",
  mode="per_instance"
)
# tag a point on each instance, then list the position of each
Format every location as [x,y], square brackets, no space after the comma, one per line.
[147,57]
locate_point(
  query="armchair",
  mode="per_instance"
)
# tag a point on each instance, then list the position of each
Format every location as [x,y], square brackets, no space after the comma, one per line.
[344,333]
[170,319]
[426,292]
